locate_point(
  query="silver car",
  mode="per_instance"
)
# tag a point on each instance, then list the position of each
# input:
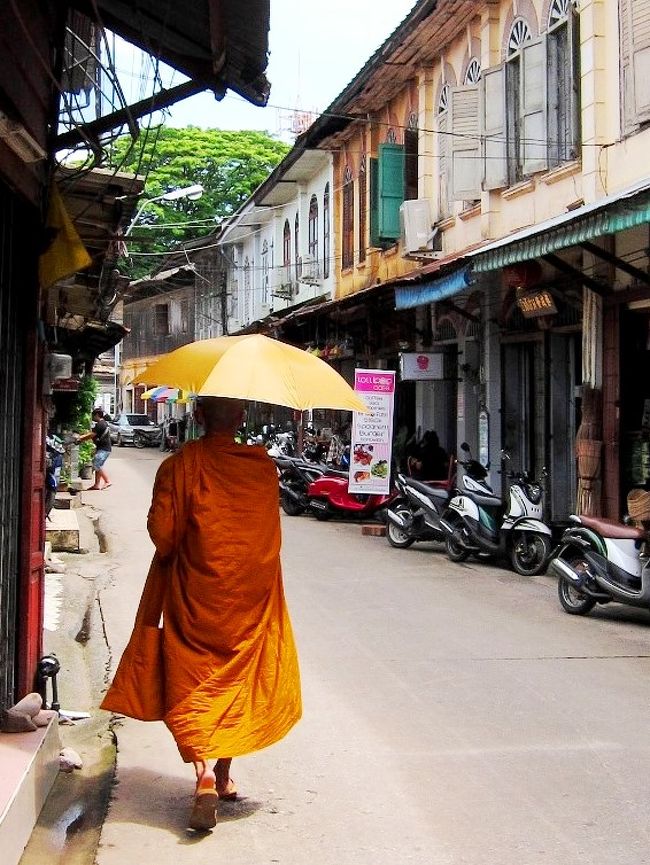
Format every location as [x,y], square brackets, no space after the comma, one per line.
[134,429]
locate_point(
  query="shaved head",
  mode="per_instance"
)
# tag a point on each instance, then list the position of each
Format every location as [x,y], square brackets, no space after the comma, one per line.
[220,414]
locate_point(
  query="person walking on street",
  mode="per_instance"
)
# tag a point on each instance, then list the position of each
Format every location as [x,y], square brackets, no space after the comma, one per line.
[227,681]
[100,434]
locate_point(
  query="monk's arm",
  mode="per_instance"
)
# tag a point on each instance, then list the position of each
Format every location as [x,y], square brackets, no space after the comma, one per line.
[162,518]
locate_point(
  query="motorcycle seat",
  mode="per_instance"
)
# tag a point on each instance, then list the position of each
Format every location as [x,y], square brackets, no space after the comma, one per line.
[426,489]
[612,529]
[483,501]
[337,473]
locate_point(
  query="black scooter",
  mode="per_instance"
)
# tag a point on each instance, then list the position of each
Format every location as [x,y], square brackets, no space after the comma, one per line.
[294,476]
[415,515]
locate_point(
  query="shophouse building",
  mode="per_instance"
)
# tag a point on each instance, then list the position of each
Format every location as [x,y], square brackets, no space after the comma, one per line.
[490,205]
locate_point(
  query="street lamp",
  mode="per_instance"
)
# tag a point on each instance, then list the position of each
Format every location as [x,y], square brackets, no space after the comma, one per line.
[192,192]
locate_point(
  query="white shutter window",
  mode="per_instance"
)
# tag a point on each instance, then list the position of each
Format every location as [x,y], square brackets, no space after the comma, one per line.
[465,144]
[641,58]
[627,77]
[443,165]
[493,127]
[534,127]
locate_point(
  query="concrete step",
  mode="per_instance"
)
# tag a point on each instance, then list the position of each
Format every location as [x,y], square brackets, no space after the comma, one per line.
[30,764]
[62,531]
[66,501]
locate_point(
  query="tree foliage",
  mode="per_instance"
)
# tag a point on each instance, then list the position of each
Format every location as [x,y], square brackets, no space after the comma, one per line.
[229,165]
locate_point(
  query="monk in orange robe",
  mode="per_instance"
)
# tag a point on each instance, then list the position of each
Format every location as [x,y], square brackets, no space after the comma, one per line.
[229,682]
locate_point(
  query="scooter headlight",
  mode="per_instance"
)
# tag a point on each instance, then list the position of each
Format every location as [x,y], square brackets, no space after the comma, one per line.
[534,493]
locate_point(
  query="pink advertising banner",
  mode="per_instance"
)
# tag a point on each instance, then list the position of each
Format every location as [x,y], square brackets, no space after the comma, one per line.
[372,433]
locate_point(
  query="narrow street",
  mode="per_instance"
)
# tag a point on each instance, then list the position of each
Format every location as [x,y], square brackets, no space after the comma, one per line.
[452,714]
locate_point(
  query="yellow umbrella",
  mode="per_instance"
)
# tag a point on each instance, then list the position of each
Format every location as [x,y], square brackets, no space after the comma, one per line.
[256,368]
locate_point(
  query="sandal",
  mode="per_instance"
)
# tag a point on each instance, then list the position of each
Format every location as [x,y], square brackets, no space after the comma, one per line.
[204,809]
[229,795]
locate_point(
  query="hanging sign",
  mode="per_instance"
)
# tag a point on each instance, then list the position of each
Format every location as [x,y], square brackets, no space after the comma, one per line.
[372,433]
[536,303]
[420,365]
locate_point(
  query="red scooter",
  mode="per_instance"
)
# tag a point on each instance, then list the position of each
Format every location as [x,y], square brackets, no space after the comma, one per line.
[329,496]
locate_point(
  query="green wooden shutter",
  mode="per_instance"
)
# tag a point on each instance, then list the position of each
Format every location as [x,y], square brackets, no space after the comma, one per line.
[391,189]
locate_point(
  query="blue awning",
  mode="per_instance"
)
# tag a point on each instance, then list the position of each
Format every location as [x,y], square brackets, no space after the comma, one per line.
[437,289]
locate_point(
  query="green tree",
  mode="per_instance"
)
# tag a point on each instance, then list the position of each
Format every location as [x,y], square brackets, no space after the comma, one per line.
[229,165]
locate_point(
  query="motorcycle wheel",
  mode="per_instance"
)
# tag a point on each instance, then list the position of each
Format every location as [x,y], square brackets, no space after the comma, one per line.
[395,536]
[139,440]
[455,550]
[529,552]
[322,515]
[290,506]
[573,602]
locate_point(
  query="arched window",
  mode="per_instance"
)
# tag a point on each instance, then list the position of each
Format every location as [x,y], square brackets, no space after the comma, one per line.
[443,99]
[516,119]
[312,240]
[363,208]
[296,244]
[563,83]
[473,72]
[265,272]
[286,251]
[326,231]
[442,117]
[348,220]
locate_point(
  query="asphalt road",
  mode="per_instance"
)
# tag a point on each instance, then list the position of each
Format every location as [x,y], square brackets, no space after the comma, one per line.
[452,714]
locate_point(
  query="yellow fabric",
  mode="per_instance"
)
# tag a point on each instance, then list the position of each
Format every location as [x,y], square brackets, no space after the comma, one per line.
[66,254]
[256,368]
[230,680]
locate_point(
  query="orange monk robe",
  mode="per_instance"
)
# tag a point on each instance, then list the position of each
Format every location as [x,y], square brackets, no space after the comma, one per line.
[231,679]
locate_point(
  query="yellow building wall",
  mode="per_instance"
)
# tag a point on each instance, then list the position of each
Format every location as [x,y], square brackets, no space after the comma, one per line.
[608,162]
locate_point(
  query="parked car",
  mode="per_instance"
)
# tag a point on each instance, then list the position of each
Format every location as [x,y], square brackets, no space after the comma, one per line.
[134,429]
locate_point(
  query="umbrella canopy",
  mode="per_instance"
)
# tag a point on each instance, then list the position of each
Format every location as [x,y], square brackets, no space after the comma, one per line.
[255,368]
[167,394]
[153,392]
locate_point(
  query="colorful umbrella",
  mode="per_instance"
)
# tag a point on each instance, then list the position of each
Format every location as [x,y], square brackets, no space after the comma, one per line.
[167,394]
[153,392]
[256,368]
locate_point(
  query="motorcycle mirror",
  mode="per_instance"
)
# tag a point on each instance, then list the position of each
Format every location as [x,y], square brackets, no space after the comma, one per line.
[464,447]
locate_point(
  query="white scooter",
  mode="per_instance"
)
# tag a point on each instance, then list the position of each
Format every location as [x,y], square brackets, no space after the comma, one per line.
[476,521]
[599,561]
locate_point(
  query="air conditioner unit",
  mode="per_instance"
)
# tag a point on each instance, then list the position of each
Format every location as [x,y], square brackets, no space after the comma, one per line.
[264,310]
[59,366]
[285,291]
[417,232]
[310,273]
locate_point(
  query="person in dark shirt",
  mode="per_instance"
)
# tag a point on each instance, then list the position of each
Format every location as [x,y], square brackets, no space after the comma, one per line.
[431,461]
[102,440]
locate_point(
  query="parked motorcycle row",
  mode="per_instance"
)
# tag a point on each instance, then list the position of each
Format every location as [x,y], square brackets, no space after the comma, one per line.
[596,561]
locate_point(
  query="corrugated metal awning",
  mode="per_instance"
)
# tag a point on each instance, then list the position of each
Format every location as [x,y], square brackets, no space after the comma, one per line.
[625,209]
[434,290]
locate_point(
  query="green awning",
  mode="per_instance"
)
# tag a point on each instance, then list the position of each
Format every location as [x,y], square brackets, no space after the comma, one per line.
[608,216]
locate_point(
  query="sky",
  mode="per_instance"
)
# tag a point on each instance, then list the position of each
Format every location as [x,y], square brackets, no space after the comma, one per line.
[316,48]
